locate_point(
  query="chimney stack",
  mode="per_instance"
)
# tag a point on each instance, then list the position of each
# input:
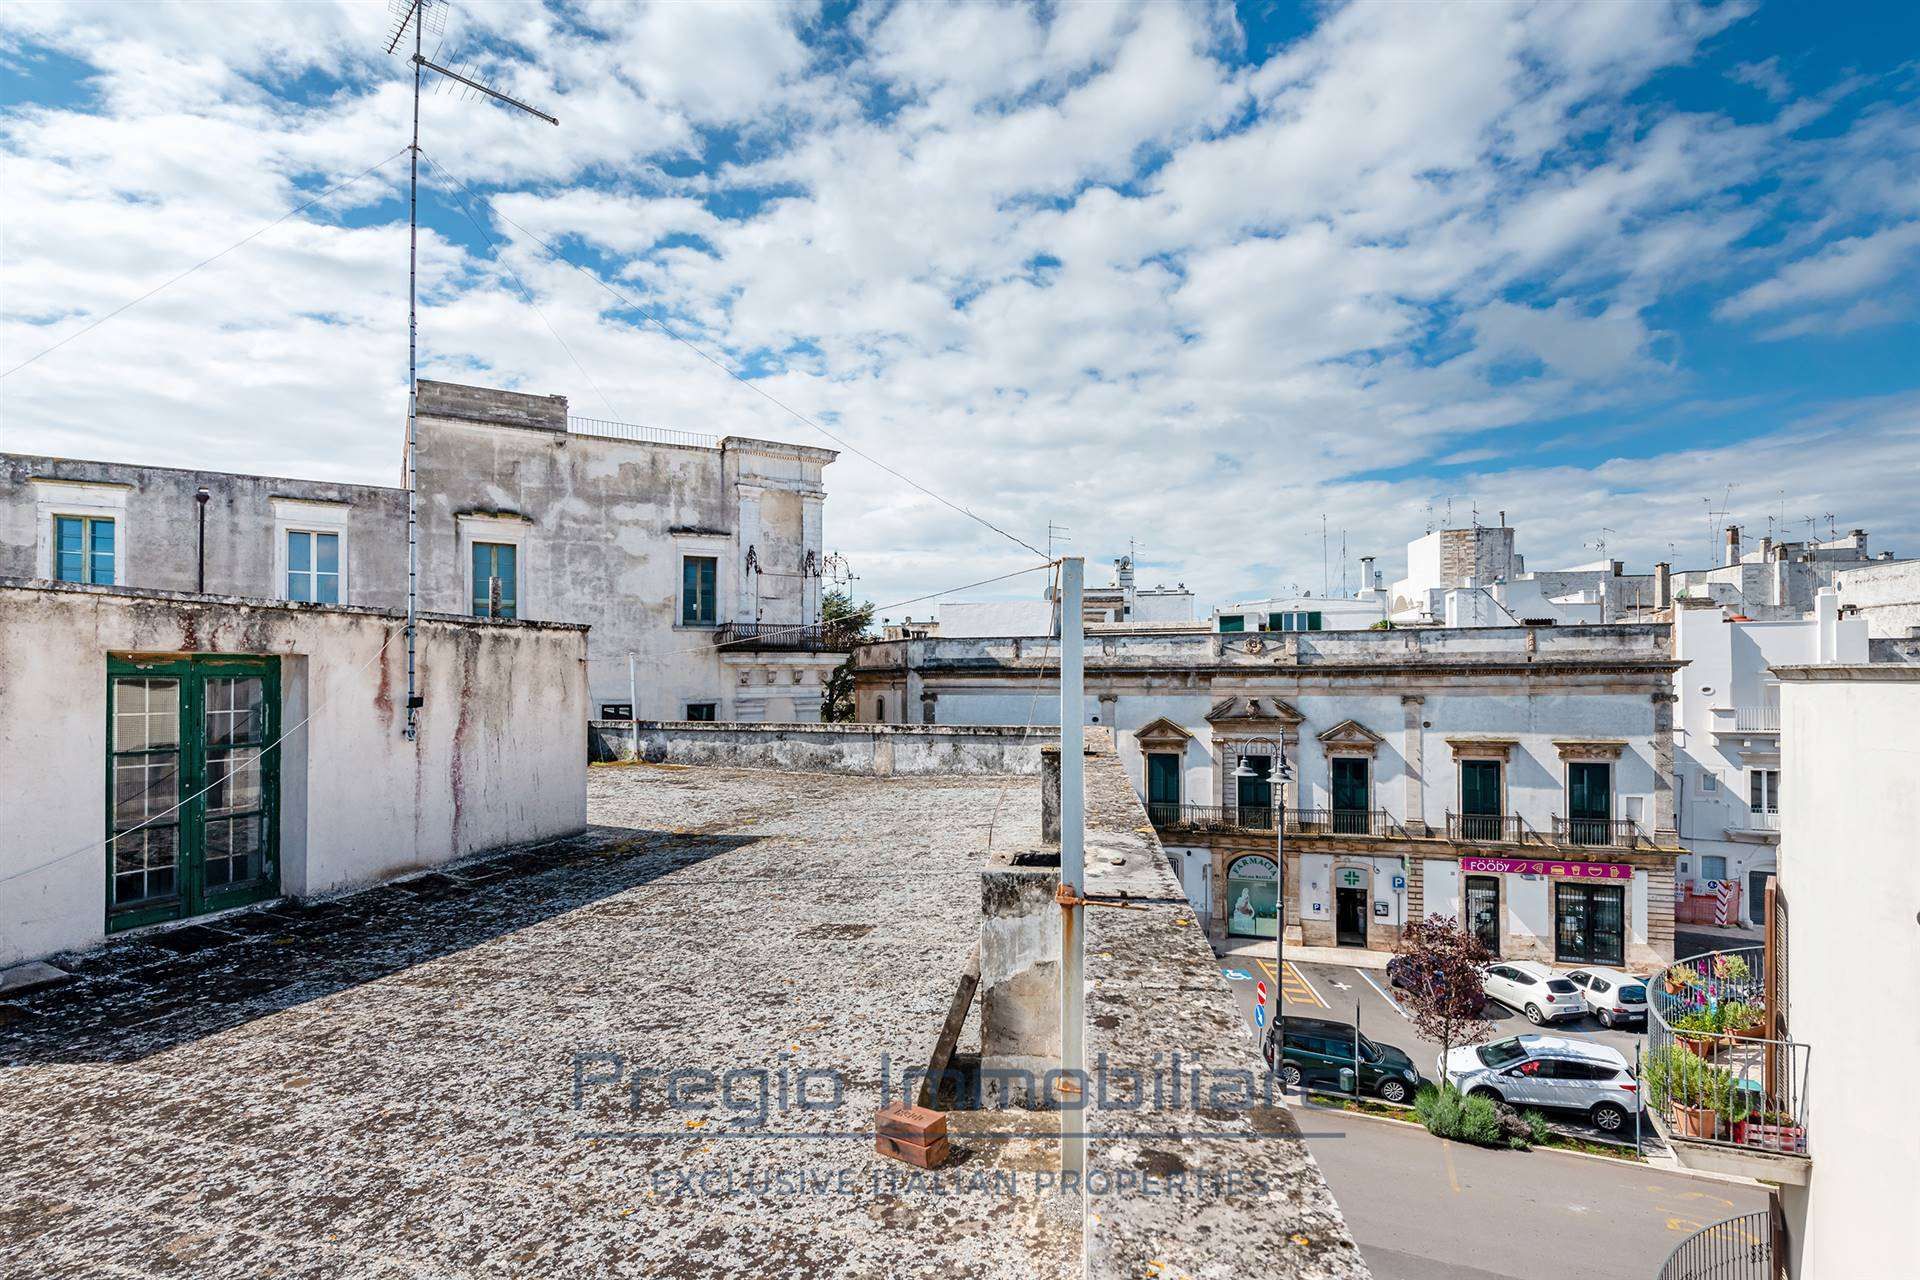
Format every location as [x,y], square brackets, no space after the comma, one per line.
[1780,585]
[1733,544]
[1663,585]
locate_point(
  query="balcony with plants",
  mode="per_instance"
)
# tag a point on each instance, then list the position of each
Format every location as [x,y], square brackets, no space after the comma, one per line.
[1723,1082]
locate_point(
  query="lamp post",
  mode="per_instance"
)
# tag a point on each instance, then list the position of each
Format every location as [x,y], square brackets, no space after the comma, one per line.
[1277,806]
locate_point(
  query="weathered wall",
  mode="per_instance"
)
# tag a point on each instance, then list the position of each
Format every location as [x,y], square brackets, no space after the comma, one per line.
[156,533]
[500,758]
[601,525]
[880,750]
[1850,870]
[1886,595]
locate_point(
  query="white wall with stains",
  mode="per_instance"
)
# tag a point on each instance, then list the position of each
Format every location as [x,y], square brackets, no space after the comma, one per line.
[500,758]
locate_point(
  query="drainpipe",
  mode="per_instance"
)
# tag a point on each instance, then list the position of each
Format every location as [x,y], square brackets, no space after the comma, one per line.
[200,576]
[1073,875]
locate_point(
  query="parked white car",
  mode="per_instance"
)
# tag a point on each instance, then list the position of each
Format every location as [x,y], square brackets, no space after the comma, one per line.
[1614,995]
[1529,987]
[1547,1071]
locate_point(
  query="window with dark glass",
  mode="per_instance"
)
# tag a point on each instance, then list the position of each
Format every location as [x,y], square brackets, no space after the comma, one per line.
[1590,801]
[83,550]
[495,580]
[1763,790]
[1480,817]
[701,710]
[313,567]
[699,591]
[1232,622]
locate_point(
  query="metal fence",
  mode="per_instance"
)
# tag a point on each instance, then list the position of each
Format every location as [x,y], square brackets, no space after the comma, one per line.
[1596,833]
[1490,828]
[609,430]
[1712,1072]
[1739,1248]
[805,637]
[1376,823]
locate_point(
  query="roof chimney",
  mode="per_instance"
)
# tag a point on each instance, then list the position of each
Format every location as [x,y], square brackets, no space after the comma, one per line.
[1733,544]
[1663,585]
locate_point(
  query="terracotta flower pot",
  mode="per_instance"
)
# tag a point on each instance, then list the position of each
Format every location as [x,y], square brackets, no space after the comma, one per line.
[1701,1045]
[1693,1122]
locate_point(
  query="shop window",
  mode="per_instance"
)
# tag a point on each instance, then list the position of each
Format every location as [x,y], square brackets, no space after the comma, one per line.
[1253,897]
[83,549]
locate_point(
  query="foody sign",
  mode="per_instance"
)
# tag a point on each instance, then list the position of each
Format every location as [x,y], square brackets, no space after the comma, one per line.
[1540,867]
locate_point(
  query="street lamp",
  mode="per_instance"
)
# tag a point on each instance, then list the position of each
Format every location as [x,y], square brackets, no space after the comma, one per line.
[1278,773]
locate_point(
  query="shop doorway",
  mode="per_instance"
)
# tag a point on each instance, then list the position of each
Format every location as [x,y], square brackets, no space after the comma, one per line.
[1483,911]
[1350,916]
[194,795]
[1590,924]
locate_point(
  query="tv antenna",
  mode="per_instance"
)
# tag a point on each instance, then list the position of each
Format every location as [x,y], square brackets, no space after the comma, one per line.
[420,16]
[1055,533]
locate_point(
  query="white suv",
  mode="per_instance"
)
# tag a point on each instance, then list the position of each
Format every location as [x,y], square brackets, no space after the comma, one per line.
[1533,989]
[1546,1071]
[1614,995]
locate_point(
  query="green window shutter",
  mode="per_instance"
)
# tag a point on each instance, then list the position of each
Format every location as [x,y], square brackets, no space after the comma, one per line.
[1313,621]
[1230,622]
[698,590]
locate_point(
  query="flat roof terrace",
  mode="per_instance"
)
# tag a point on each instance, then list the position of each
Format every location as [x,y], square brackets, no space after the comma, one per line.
[472,1073]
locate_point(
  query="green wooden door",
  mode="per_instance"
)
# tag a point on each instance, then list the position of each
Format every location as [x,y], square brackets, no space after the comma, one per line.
[1589,801]
[1480,799]
[1163,786]
[1351,795]
[192,786]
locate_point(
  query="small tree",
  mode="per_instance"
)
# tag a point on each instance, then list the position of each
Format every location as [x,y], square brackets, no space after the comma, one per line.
[1440,966]
[840,616]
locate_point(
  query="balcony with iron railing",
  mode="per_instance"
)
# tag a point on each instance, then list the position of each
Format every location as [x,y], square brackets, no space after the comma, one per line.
[1742,1248]
[1258,819]
[796,637]
[1723,1083]
[1596,833]
[1490,828]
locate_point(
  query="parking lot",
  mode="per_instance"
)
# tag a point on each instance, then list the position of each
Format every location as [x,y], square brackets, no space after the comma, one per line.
[1349,993]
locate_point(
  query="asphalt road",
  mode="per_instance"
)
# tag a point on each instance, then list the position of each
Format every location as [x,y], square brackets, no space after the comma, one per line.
[1422,1209]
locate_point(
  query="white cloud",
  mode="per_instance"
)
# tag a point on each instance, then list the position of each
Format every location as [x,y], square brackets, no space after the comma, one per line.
[1841,270]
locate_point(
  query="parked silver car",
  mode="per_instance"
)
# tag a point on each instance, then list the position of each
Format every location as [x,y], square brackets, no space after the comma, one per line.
[1547,1071]
[1615,996]
[1533,989]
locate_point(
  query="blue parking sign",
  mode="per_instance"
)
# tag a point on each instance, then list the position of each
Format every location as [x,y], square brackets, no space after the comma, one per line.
[1399,882]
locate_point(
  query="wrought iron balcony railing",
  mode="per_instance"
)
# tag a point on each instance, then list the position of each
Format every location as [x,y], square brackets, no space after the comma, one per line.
[800,637]
[1375,823]
[1741,1248]
[1596,833]
[1490,828]
[1718,1070]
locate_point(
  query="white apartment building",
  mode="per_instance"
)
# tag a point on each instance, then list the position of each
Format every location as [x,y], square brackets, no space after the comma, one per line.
[1518,778]
[701,556]
[1728,747]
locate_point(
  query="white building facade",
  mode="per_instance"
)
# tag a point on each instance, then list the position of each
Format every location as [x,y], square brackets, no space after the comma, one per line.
[1728,770]
[1519,779]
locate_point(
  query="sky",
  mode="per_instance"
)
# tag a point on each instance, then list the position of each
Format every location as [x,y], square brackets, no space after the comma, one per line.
[1196,280]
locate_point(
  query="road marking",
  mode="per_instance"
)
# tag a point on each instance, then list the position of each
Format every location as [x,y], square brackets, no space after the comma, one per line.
[1453,1178]
[1383,992]
[1294,985]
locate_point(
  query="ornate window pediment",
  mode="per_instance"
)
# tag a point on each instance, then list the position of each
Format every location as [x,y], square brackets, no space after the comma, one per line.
[1483,748]
[1162,735]
[1351,737]
[1595,749]
[1246,711]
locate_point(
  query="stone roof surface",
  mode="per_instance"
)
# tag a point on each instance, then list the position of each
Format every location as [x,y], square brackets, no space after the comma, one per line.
[407,1082]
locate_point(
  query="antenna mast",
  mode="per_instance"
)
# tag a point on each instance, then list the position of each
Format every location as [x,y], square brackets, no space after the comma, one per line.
[420,14]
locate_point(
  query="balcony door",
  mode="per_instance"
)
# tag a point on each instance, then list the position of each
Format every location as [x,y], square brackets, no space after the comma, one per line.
[1352,795]
[1590,802]
[1253,791]
[1163,786]
[192,787]
[1480,799]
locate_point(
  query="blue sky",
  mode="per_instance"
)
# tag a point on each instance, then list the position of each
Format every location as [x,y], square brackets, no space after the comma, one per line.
[1189,275]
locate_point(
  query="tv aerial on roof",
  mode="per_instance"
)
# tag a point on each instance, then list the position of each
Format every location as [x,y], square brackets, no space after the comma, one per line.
[421,17]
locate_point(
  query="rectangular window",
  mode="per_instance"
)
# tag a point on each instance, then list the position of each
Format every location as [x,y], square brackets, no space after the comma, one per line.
[1763,790]
[1713,867]
[83,550]
[701,710]
[495,580]
[1590,801]
[699,591]
[1298,620]
[313,567]
[1232,622]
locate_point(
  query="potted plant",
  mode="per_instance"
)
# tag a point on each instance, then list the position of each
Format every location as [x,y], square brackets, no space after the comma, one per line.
[1776,1131]
[1732,968]
[1698,1032]
[1731,1106]
[1739,1018]
[1679,1083]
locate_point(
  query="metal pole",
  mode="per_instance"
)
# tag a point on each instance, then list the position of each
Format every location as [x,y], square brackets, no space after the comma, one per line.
[1073,871]
[413,376]
[200,577]
[633,703]
[1280,906]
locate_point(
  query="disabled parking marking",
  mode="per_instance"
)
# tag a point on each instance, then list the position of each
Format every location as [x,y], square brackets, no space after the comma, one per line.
[1236,975]
[1293,985]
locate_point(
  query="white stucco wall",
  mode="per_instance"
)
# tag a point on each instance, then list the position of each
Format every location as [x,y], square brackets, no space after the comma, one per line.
[961,618]
[1850,870]
[1887,596]
[500,759]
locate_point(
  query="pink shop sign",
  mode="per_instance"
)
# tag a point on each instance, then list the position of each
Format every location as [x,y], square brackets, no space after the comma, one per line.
[1549,867]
